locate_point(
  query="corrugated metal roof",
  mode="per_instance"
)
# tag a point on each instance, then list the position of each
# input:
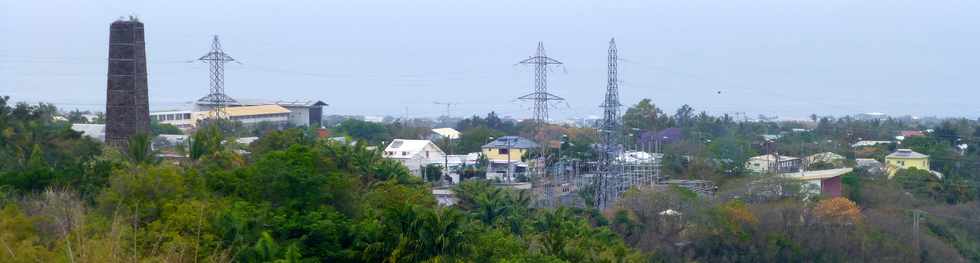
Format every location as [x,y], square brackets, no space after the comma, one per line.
[255,110]
[771,157]
[512,142]
[447,133]
[250,111]
[818,174]
[401,149]
[906,153]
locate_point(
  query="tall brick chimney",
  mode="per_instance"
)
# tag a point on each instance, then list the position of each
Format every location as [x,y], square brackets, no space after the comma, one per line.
[127,102]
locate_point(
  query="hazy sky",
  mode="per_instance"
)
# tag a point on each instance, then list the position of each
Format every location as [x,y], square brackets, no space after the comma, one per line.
[785,58]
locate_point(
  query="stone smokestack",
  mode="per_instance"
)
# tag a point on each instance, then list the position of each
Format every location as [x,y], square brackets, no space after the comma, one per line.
[127,102]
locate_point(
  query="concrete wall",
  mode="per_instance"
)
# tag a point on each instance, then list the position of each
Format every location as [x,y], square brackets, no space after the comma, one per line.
[299,116]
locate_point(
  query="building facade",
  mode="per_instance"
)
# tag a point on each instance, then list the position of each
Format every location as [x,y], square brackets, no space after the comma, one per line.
[771,163]
[181,119]
[508,148]
[414,154]
[252,115]
[304,113]
[905,159]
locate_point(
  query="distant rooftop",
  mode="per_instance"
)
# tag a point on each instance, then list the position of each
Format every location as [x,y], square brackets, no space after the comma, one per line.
[447,133]
[772,157]
[251,110]
[511,142]
[906,153]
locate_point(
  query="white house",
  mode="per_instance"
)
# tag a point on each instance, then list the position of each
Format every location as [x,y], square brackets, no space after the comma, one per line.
[414,154]
[773,163]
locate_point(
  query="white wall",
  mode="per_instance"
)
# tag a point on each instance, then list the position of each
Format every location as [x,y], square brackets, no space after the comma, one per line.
[299,116]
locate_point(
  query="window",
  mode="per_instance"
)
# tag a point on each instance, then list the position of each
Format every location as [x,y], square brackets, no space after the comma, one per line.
[503,151]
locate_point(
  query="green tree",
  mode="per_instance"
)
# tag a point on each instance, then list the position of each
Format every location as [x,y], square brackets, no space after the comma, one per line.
[139,150]
[471,140]
[158,128]
[207,140]
[363,130]
[732,153]
[644,116]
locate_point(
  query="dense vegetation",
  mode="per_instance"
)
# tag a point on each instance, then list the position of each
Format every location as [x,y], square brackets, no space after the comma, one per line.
[300,198]
[294,199]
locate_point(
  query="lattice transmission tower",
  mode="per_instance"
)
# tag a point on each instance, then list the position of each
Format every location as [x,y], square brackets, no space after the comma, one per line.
[611,126]
[609,171]
[540,96]
[216,98]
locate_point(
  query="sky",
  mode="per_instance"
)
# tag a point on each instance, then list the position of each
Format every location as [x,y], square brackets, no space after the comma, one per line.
[367,57]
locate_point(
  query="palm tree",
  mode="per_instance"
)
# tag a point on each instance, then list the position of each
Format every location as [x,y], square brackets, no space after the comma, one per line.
[139,150]
[424,234]
[205,142]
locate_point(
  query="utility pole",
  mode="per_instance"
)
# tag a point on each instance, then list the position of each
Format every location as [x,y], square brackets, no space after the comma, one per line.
[540,95]
[216,97]
[916,218]
[510,166]
[449,106]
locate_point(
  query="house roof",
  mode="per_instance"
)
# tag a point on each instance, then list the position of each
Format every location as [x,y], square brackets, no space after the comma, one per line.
[862,162]
[247,140]
[251,110]
[906,154]
[638,156]
[772,157]
[911,133]
[284,103]
[670,134]
[868,143]
[301,103]
[771,137]
[447,133]
[511,142]
[665,135]
[818,174]
[412,147]
[824,156]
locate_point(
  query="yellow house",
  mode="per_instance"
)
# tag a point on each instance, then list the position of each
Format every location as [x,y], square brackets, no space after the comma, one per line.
[512,146]
[904,159]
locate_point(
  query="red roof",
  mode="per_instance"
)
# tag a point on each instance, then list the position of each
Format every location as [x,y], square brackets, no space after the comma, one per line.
[912,133]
